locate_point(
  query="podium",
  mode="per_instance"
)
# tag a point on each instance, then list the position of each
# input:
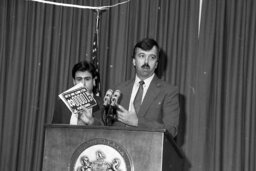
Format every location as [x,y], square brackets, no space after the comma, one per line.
[75,148]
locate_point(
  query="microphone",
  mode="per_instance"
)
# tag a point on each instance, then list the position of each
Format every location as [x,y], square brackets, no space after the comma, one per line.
[115,98]
[107,98]
[106,104]
[111,115]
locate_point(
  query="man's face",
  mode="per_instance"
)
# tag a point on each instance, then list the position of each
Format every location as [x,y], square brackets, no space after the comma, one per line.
[84,77]
[145,62]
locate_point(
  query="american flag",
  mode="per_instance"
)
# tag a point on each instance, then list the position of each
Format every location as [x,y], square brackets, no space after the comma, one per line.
[95,61]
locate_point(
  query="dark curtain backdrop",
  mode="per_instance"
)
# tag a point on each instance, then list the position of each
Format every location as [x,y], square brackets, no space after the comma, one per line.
[214,71]
[226,77]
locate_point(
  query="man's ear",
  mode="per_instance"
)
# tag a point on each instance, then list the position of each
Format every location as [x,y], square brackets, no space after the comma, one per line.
[156,64]
[133,61]
[74,82]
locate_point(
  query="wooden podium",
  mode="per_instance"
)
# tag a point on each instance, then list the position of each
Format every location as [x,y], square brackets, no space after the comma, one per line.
[127,149]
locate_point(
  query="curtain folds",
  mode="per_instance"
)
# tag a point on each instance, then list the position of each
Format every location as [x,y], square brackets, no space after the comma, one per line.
[227,53]
[215,73]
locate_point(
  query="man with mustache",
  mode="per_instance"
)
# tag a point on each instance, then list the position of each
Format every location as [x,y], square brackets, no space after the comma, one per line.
[158,105]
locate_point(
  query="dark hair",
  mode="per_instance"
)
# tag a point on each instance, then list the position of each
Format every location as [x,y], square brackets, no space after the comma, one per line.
[146,44]
[84,66]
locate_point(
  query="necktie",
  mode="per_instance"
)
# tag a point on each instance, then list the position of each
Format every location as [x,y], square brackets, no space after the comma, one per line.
[138,98]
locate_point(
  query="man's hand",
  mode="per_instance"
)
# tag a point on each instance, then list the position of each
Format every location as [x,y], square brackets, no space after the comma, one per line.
[127,117]
[85,117]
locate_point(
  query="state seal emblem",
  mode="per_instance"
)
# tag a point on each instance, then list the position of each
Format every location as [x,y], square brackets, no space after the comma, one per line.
[100,155]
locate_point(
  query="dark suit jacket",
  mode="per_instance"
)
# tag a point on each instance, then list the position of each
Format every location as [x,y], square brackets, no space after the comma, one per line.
[160,107]
[62,114]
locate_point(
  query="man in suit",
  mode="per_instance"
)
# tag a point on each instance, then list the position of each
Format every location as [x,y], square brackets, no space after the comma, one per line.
[85,73]
[159,104]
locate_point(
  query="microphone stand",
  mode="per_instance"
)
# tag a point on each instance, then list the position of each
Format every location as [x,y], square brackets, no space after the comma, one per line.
[111,116]
[98,12]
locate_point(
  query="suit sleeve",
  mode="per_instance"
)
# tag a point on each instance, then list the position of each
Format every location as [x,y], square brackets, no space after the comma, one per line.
[171,111]
[61,113]
[98,118]
[98,112]
[168,114]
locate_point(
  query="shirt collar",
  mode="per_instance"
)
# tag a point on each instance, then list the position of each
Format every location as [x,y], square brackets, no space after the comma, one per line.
[147,81]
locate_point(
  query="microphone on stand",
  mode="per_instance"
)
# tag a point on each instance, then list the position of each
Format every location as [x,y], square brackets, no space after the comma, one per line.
[112,114]
[107,97]
[115,98]
[106,104]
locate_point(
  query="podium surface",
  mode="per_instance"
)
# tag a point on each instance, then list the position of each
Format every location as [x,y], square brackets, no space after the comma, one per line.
[125,149]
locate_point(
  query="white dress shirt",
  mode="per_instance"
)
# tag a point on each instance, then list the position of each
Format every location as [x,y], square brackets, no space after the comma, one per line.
[136,87]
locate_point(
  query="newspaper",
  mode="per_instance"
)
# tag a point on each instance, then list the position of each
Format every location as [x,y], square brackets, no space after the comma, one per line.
[77,97]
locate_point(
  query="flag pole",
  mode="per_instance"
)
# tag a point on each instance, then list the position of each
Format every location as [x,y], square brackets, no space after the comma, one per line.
[97,27]
[95,51]
[97,23]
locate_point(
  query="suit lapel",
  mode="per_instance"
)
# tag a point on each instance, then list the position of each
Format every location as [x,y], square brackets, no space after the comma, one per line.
[152,92]
[127,94]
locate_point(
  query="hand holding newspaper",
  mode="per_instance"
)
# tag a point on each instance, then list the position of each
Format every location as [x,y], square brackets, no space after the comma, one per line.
[77,97]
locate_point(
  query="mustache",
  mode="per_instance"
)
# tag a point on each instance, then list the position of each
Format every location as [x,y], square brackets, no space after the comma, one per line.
[146,65]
